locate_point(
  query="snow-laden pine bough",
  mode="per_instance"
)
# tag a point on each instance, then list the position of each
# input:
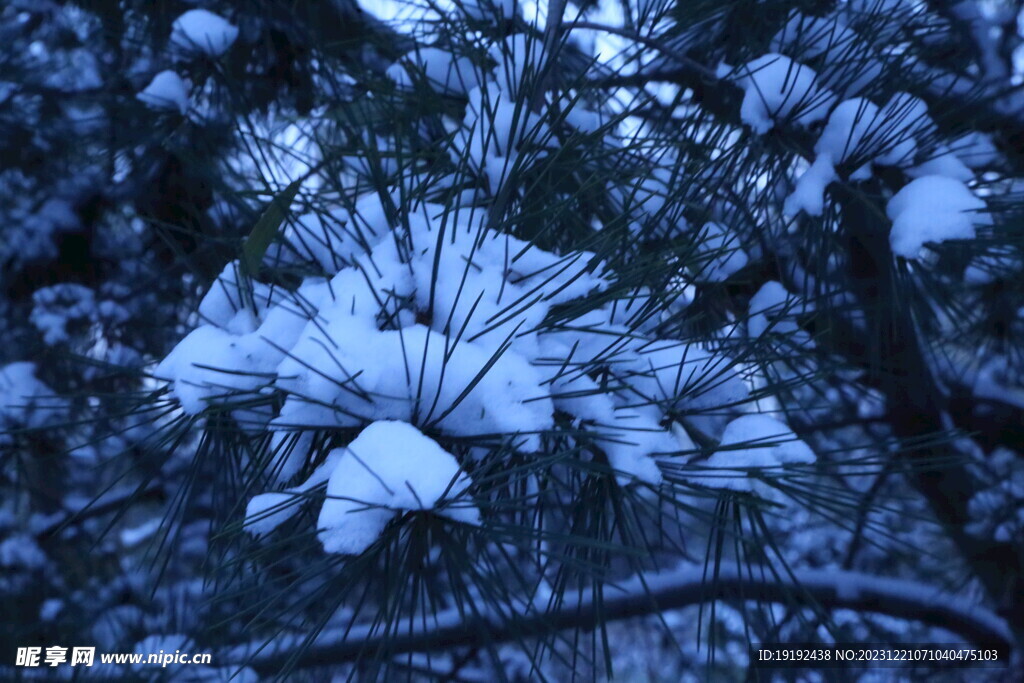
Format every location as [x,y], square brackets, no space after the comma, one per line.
[519,327]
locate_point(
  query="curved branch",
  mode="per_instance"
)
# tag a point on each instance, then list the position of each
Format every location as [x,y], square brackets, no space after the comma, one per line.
[825,589]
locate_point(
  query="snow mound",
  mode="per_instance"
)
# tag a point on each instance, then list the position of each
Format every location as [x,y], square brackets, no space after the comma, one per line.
[758,442]
[774,308]
[444,72]
[211,364]
[390,467]
[932,209]
[776,87]
[888,136]
[809,193]
[942,161]
[249,329]
[351,373]
[167,90]
[976,150]
[199,30]
[850,123]
[813,36]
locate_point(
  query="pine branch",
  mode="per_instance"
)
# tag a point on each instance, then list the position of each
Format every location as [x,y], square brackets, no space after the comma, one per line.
[103,504]
[640,596]
[998,565]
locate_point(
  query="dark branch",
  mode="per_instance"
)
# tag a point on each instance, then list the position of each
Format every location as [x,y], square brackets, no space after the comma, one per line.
[823,589]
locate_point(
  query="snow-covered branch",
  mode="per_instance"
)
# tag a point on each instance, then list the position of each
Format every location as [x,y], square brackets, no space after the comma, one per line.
[824,589]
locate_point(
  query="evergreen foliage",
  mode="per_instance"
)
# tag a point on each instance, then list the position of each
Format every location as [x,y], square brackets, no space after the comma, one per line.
[503,341]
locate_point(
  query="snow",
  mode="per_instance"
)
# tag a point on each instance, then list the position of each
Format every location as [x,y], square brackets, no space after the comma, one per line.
[167,90]
[976,150]
[133,536]
[998,262]
[496,285]
[942,161]
[686,377]
[485,10]
[770,302]
[249,329]
[443,71]
[849,64]
[203,31]
[995,380]
[342,369]
[932,209]
[776,87]
[391,466]
[267,511]
[21,551]
[58,306]
[886,136]
[212,365]
[291,450]
[721,251]
[646,199]
[848,125]
[50,609]
[231,295]
[516,57]
[25,401]
[813,36]
[904,119]
[759,442]
[337,238]
[351,373]
[446,329]
[809,193]
[629,438]
[494,131]
[855,127]
[493,293]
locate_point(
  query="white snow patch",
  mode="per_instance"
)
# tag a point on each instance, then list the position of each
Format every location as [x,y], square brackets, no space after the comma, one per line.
[443,71]
[771,303]
[760,442]
[203,31]
[942,161]
[776,87]
[167,90]
[848,125]
[976,150]
[809,193]
[849,64]
[904,118]
[932,209]
[391,466]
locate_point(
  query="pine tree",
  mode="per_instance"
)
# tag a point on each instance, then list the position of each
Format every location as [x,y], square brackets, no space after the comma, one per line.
[505,341]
